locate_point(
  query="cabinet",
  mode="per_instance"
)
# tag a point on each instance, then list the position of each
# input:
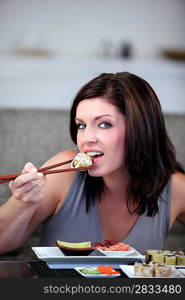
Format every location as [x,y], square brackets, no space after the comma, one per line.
[51,83]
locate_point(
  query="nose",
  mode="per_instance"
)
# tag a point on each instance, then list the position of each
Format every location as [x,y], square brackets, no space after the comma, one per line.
[90,136]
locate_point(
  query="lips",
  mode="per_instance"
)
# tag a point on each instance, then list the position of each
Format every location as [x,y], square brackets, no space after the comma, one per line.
[94,153]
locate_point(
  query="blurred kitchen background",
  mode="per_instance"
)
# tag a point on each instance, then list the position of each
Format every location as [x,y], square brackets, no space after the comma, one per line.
[50,48]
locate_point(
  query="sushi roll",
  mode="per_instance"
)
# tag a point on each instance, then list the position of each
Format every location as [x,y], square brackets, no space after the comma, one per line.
[158,257]
[149,253]
[81,160]
[178,252]
[162,270]
[181,260]
[168,252]
[143,270]
[170,259]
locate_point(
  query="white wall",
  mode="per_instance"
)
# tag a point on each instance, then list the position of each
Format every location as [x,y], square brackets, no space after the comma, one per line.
[79,27]
[82,39]
[52,83]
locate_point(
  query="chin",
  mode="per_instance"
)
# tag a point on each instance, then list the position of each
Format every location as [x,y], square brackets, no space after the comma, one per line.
[96,173]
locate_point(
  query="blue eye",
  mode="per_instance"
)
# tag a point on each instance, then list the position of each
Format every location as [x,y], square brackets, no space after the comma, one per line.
[105,125]
[80,126]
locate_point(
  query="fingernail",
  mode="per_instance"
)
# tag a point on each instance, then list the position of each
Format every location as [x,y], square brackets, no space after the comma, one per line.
[10,183]
[28,164]
[40,174]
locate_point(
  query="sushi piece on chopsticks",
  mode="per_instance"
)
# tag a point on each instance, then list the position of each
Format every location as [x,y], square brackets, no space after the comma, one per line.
[81,160]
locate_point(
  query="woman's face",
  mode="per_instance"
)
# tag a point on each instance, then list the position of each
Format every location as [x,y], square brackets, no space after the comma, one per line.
[101,133]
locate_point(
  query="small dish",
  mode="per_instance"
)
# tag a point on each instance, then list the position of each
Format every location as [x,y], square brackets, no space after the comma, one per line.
[79,270]
[118,253]
[68,251]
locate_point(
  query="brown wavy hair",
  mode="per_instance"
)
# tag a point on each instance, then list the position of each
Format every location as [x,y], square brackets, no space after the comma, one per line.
[149,154]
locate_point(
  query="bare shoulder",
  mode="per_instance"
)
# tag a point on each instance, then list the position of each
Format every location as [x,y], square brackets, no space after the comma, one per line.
[60,157]
[178,196]
[178,184]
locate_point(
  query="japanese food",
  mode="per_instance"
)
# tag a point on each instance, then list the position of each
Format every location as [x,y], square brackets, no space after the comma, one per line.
[152,270]
[107,270]
[162,270]
[109,245]
[73,245]
[81,160]
[158,258]
[181,260]
[90,271]
[165,256]
[170,259]
[144,270]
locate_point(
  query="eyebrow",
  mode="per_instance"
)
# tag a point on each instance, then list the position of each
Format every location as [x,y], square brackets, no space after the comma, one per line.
[97,118]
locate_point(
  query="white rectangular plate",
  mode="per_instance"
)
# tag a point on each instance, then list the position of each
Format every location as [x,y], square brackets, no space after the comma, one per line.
[129,271]
[54,257]
[182,271]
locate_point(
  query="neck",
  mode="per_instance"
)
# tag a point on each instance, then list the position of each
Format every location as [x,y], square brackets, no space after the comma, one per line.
[117,182]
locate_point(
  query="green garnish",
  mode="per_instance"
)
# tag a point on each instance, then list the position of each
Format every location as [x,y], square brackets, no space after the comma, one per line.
[89,271]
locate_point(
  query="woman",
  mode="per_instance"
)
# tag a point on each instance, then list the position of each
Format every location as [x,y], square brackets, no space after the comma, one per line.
[133,193]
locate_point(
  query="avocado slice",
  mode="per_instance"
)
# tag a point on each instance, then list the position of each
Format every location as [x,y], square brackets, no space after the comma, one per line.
[74,245]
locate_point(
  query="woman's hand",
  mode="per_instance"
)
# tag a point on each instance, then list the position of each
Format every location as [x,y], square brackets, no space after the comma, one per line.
[29,187]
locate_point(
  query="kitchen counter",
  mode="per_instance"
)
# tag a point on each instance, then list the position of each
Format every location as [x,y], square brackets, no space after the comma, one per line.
[52,82]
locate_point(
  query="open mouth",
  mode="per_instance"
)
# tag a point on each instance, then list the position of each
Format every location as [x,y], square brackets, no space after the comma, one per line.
[94,154]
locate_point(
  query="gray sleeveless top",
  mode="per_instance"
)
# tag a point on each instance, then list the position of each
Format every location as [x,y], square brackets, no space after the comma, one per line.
[72,224]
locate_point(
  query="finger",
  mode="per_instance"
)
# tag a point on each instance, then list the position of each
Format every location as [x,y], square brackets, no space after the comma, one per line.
[25,178]
[29,168]
[10,184]
[35,195]
[28,190]
[35,186]
[28,187]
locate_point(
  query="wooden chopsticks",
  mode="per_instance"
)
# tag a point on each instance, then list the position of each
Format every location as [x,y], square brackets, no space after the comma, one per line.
[9,177]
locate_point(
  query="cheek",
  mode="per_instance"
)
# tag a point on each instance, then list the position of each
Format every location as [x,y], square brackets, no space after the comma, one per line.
[121,142]
[78,140]
[118,149]
[117,141]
